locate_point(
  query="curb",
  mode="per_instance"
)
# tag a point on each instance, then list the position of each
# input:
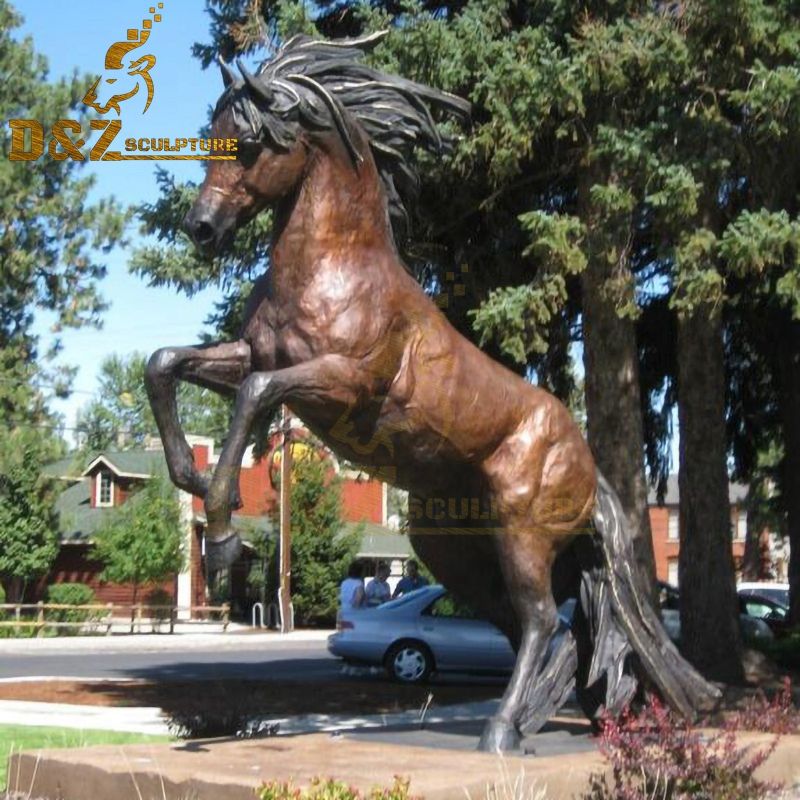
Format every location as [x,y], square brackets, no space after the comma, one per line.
[162,642]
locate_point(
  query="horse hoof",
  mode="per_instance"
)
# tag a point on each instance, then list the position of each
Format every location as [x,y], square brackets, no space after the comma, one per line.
[499,736]
[221,553]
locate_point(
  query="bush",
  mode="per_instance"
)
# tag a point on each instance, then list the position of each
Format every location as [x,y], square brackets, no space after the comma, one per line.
[71,594]
[658,754]
[159,604]
[778,715]
[330,789]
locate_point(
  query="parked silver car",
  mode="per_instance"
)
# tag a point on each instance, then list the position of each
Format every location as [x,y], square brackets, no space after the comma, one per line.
[422,632]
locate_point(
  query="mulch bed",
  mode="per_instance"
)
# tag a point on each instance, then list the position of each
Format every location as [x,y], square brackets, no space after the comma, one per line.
[268,697]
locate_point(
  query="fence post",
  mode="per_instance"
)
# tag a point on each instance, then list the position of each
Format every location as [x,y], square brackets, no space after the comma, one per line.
[17,614]
[173,613]
[40,619]
[110,607]
[138,618]
[226,616]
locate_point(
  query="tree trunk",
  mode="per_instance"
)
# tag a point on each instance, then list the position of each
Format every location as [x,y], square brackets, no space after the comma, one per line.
[613,400]
[753,558]
[15,590]
[788,374]
[709,611]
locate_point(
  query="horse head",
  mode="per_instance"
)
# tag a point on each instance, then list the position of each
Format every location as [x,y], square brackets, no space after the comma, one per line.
[130,69]
[312,94]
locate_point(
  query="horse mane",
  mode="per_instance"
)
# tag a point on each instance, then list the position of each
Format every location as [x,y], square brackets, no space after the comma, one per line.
[318,83]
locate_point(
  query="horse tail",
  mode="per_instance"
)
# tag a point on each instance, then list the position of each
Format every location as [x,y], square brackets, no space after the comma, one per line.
[615,619]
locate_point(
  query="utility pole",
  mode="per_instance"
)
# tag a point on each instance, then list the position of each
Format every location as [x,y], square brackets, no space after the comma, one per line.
[285,591]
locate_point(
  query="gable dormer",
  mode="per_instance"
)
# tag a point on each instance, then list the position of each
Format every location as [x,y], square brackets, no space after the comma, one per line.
[110,485]
[103,489]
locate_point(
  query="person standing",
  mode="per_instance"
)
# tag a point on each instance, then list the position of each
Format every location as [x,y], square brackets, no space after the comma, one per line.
[378,590]
[351,591]
[412,580]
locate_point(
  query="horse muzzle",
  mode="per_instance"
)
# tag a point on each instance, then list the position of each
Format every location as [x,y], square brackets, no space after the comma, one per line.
[221,553]
[203,232]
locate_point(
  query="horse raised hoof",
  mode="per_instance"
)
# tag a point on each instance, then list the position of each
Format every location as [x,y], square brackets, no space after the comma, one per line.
[221,553]
[499,736]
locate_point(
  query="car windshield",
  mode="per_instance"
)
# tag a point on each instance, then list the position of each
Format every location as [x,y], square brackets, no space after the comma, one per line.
[777,595]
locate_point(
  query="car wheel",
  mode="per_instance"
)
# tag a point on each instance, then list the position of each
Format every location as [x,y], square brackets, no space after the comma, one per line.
[409,662]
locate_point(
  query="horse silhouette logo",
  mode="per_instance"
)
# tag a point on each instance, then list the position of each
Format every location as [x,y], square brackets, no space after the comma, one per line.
[137,68]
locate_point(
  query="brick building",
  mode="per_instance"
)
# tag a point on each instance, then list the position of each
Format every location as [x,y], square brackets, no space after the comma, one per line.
[665,525]
[110,480]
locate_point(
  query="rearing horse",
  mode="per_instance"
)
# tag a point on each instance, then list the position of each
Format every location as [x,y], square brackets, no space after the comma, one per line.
[503,487]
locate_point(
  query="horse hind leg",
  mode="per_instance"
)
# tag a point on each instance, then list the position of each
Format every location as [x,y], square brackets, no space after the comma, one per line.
[526,557]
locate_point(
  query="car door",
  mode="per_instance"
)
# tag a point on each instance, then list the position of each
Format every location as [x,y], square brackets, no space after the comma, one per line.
[461,641]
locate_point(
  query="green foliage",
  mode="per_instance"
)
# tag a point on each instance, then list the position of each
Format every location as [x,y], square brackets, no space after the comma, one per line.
[321,553]
[51,241]
[120,415]
[52,234]
[14,738]
[28,519]
[142,541]
[74,594]
[330,789]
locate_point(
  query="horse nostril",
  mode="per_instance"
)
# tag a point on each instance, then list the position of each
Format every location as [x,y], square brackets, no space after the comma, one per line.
[203,233]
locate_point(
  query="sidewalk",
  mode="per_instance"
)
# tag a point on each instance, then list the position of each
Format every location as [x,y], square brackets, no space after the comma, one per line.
[152,721]
[232,640]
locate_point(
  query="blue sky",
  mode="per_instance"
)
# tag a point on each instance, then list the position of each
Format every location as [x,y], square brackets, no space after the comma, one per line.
[77,35]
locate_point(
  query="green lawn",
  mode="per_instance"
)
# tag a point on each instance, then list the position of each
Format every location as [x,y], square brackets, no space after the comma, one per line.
[26,737]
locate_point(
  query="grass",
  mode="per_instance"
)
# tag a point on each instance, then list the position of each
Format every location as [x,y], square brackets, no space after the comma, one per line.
[26,737]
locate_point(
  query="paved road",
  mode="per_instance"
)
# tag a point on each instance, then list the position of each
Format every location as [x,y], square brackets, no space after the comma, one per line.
[293,660]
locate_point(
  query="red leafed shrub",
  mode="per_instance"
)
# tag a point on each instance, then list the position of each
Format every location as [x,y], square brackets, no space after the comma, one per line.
[657,755]
[778,715]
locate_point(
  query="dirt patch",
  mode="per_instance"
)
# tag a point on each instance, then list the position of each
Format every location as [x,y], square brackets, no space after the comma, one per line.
[273,697]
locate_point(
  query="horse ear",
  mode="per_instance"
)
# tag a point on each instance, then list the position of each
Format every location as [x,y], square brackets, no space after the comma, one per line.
[255,86]
[228,75]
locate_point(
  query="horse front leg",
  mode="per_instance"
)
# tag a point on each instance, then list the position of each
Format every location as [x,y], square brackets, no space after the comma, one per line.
[220,367]
[331,379]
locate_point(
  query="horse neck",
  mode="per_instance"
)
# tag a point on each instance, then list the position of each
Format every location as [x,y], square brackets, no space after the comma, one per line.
[338,212]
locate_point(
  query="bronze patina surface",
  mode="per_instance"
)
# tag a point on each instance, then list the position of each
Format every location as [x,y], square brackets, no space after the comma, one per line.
[505,496]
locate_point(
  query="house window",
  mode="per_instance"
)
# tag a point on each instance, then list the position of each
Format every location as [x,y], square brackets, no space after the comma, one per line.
[741,525]
[672,571]
[673,527]
[105,489]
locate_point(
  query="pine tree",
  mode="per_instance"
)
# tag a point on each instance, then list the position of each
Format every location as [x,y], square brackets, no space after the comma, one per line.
[321,549]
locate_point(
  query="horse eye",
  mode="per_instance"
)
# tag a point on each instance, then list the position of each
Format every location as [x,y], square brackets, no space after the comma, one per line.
[249,153]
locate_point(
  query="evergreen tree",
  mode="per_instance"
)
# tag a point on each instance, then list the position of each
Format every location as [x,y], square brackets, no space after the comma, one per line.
[51,237]
[28,519]
[120,417]
[321,550]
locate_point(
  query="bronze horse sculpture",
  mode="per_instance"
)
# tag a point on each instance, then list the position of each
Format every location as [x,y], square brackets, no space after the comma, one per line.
[510,511]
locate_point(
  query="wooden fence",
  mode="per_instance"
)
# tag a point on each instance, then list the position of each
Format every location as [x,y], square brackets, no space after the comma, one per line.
[102,617]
